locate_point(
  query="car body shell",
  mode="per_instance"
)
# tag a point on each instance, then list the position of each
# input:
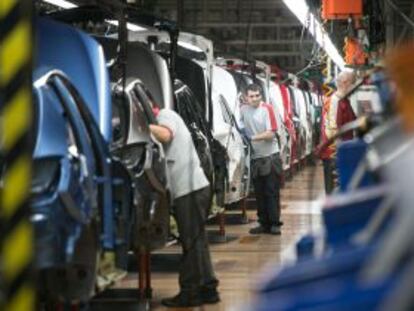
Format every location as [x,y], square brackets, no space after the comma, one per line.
[226,112]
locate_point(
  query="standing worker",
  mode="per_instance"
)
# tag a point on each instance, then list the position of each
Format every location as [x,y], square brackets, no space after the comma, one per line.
[190,191]
[337,111]
[340,108]
[327,153]
[260,128]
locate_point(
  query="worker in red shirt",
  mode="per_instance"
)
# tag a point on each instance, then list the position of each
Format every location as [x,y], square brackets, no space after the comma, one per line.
[337,111]
[340,110]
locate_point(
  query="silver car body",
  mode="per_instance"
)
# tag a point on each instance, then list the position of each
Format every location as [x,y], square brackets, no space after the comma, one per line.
[226,113]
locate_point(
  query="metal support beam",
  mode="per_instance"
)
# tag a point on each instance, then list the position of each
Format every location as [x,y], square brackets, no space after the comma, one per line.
[273,27]
[180,13]
[390,20]
[269,42]
[277,53]
[244,25]
[404,32]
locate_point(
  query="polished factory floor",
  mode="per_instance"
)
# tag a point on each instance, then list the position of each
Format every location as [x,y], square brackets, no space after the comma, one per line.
[242,263]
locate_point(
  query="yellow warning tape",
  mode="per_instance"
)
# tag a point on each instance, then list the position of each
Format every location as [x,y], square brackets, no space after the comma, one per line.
[17,250]
[16,186]
[23,300]
[14,52]
[15,119]
[16,244]
[326,72]
[6,6]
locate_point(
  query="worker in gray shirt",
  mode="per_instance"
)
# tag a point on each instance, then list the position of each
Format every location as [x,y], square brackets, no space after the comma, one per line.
[259,125]
[191,194]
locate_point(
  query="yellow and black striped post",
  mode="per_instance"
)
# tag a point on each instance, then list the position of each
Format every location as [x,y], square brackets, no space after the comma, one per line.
[16,235]
[327,76]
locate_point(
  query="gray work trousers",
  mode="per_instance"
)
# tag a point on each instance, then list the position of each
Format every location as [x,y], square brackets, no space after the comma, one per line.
[196,270]
[328,174]
[265,173]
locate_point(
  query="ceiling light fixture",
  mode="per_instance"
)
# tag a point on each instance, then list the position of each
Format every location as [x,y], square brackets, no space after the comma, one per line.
[62,4]
[302,12]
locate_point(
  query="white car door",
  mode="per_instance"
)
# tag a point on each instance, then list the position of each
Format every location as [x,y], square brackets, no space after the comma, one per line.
[226,111]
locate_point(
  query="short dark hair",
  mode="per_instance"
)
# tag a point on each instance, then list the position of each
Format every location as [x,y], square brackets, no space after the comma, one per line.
[253,87]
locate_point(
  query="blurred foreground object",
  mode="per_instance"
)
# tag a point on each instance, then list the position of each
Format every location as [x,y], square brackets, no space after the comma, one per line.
[400,63]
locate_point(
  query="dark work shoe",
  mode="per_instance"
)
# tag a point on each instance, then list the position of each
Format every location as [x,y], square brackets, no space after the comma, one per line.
[259,230]
[183,300]
[280,223]
[209,296]
[275,230]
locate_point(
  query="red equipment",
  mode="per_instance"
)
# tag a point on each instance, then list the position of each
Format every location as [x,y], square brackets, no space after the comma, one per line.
[341,9]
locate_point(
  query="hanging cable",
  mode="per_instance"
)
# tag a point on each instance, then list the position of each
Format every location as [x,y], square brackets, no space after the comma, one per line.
[249,27]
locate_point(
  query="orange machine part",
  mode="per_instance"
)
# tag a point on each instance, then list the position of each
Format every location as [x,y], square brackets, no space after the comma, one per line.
[354,53]
[341,9]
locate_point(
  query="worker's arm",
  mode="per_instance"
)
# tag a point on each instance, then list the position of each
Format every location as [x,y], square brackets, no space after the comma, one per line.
[330,123]
[162,134]
[271,125]
[267,135]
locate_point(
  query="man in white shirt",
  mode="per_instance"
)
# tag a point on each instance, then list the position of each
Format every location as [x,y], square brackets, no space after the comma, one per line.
[259,121]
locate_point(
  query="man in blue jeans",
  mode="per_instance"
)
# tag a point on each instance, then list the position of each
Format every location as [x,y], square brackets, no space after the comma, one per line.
[191,193]
[260,127]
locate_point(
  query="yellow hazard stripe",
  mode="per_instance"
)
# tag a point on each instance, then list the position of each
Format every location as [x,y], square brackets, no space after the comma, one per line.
[6,6]
[17,250]
[16,253]
[15,52]
[329,93]
[16,186]
[16,119]
[24,300]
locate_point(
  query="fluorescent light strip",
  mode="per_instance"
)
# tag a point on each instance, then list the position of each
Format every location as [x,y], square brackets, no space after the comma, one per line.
[130,26]
[62,4]
[302,12]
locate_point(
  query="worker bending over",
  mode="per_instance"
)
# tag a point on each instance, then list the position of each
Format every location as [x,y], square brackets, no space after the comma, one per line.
[190,191]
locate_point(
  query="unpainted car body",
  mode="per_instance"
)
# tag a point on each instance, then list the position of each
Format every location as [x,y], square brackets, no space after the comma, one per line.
[64,194]
[226,110]
[190,110]
[83,92]
[133,145]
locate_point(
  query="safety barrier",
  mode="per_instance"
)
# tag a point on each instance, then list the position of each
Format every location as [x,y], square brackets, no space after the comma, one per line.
[16,244]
